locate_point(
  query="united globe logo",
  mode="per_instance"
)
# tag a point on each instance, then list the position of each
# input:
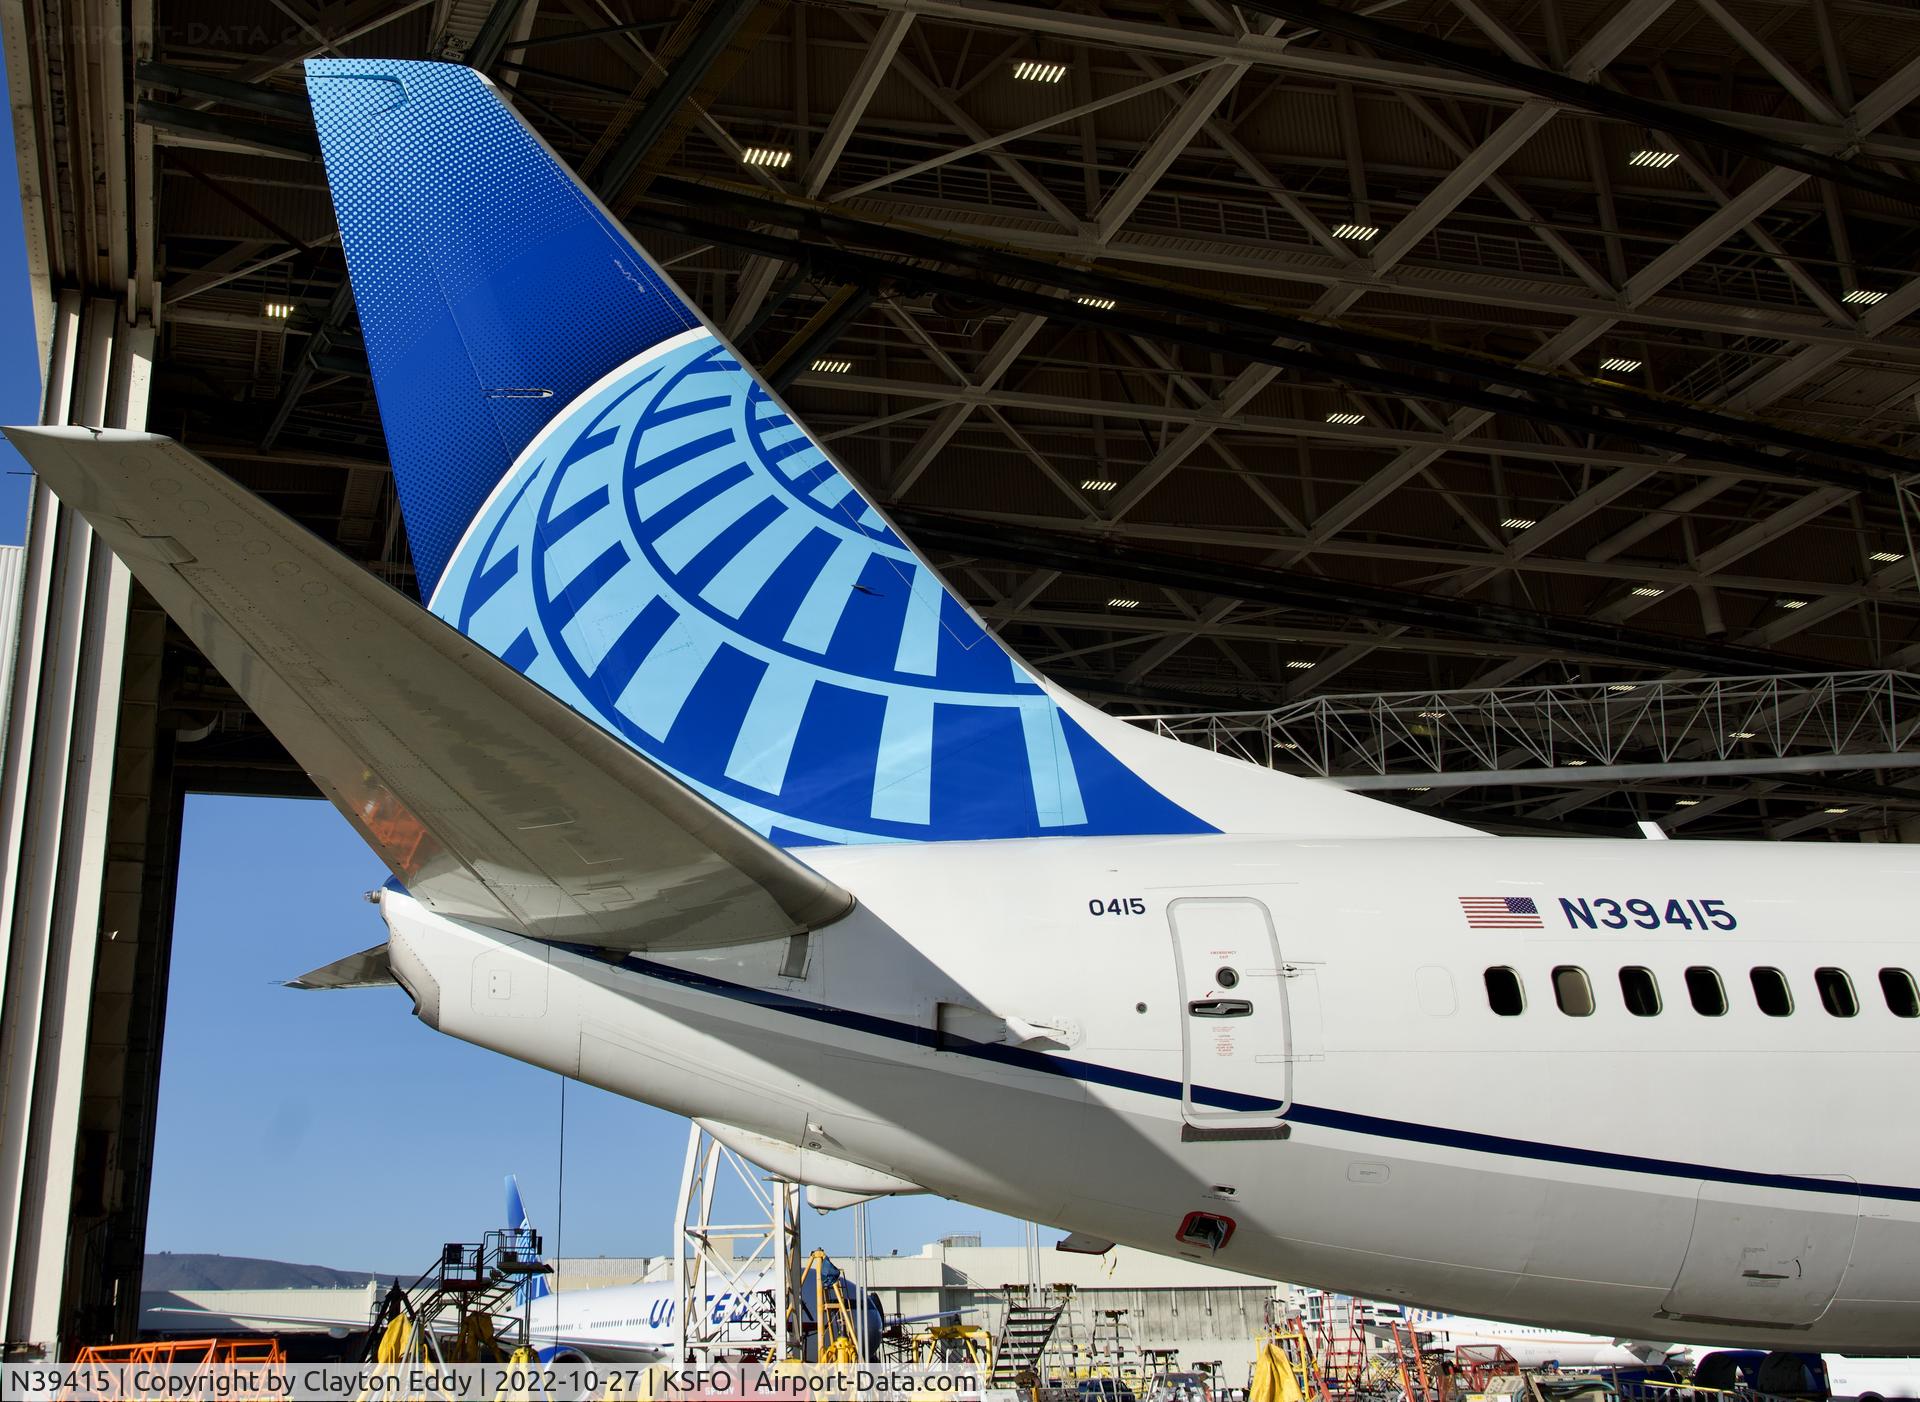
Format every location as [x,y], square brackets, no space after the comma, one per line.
[676,559]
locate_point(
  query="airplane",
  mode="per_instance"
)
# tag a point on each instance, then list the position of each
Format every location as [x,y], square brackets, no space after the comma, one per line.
[637,1323]
[699,784]
[1532,1346]
[640,1322]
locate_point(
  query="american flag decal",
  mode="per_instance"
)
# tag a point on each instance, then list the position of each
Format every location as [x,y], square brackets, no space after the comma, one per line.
[1501,913]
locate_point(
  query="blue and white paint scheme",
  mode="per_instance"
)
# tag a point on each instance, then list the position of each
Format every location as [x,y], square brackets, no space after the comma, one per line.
[599,492]
[700,786]
[674,557]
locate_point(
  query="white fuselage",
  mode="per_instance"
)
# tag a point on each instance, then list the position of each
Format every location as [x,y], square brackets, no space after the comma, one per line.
[1534,1346]
[1041,1028]
[620,1321]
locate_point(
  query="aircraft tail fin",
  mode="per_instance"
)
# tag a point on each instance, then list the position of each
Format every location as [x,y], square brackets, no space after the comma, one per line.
[600,492]
[534,1287]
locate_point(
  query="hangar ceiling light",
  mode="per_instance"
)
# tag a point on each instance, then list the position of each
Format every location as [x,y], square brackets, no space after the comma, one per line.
[1886,557]
[1098,484]
[832,366]
[1346,416]
[1105,304]
[1123,603]
[770,157]
[1032,71]
[1648,591]
[1620,364]
[1860,297]
[1518,523]
[1650,159]
[1359,233]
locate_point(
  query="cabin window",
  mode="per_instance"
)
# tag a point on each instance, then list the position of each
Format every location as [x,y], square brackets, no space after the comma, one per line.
[1903,999]
[1504,994]
[1640,991]
[1704,990]
[1770,991]
[1836,992]
[1572,991]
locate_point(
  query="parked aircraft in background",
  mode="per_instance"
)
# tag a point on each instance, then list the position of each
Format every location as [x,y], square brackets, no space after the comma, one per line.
[1532,1346]
[699,784]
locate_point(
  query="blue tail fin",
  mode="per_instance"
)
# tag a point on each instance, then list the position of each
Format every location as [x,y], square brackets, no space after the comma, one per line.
[534,1287]
[600,493]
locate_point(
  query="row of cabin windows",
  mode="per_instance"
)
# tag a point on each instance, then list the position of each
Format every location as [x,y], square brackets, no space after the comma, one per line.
[1640,991]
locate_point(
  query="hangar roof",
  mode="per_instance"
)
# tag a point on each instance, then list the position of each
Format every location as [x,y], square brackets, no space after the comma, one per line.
[1225,354]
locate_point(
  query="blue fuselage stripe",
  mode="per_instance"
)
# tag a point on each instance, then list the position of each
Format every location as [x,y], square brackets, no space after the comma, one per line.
[1092,1073]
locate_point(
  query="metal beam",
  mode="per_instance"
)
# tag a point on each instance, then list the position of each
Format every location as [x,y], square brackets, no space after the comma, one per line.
[709,39]
[1578,92]
[1603,773]
[874,63]
[1112,559]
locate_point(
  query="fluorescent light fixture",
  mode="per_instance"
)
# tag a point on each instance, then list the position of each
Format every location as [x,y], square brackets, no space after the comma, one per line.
[1623,686]
[1648,591]
[1359,233]
[1030,70]
[1301,665]
[1619,365]
[1575,763]
[1686,803]
[1793,603]
[1346,416]
[1886,557]
[833,367]
[1433,715]
[771,157]
[1833,810]
[1104,304]
[1649,159]
[1740,735]
[1287,745]
[1860,297]
[1420,788]
[1518,523]
[279,311]
[1123,603]
[1098,484]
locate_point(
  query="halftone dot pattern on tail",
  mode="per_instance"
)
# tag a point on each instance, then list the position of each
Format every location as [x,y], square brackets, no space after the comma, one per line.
[600,494]
[483,276]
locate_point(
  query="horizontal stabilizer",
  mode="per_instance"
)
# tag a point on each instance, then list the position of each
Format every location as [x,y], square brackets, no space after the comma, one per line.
[490,800]
[367,969]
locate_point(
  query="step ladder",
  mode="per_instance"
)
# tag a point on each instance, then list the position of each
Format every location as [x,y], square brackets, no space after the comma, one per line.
[1024,1334]
[469,1304]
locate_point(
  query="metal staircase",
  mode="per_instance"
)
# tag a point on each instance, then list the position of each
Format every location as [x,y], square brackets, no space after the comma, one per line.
[469,1302]
[1024,1334]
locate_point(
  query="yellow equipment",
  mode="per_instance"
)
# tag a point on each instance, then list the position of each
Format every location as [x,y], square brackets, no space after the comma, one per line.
[953,1343]
[1274,1376]
[836,1334]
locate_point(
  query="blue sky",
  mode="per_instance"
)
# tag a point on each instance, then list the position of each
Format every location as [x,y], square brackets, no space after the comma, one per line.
[19,354]
[334,1128]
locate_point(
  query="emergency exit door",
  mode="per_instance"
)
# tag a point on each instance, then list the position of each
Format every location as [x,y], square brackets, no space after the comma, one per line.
[1236,1073]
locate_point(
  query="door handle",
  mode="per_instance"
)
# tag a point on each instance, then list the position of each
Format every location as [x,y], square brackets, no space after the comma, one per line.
[1220,1007]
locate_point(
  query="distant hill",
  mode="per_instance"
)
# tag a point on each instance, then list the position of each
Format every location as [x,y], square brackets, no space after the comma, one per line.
[193,1270]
